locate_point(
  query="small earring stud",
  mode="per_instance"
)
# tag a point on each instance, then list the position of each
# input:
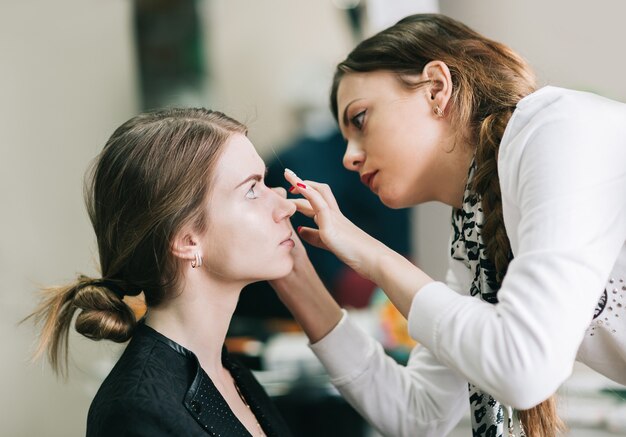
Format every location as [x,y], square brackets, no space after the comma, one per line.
[437,110]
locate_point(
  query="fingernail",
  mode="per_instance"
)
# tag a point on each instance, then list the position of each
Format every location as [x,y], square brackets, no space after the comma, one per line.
[299,227]
[301,185]
[291,188]
[289,171]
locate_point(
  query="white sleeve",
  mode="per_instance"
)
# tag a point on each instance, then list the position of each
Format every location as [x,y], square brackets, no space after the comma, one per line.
[424,398]
[571,195]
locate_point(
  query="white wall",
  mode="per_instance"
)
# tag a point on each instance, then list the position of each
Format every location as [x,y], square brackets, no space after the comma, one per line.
[67,79]
[569,43]
[269,57]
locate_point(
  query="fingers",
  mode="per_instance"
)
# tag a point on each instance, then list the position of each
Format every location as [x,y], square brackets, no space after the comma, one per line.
[292,178]
[311,194]
[325,191]
[320,197]
[304,207]
[311,236]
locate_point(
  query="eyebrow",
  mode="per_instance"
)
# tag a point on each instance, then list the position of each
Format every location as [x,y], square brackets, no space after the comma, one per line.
[345,112]
[254,177]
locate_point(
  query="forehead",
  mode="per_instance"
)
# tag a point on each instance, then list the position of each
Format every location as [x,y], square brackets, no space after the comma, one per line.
[374,85]
[238,161]
[363,85]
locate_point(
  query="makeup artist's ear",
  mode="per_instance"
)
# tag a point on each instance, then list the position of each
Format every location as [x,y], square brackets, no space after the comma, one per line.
[185,245]
[440,88]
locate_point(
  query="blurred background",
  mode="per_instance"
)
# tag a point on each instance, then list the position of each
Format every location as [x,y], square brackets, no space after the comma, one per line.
[71,71]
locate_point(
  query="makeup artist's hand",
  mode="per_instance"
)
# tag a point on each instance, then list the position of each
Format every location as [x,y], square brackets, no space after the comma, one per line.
[303,268]
[335,232]
[304,293]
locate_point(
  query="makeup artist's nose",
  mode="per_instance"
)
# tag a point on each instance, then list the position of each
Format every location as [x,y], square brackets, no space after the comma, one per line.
[283,208]
[354,157]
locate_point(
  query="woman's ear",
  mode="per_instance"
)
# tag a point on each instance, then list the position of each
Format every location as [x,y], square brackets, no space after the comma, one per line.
[185,245]
[440,88]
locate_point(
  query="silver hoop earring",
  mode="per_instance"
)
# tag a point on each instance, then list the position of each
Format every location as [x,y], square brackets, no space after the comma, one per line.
[437,110]
[197,261]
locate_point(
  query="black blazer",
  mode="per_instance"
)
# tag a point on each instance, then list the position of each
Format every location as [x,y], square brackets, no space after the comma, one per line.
[157,388]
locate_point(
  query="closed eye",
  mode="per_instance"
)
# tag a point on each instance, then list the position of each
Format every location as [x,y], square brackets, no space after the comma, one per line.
[358,119]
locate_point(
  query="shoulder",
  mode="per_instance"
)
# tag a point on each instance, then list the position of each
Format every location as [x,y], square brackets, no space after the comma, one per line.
[138,416]
[147,385]
[550,104]
[147,366]
[557,128]
[554,112]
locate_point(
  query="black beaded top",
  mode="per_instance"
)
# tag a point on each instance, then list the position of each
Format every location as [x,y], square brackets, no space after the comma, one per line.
[157,388]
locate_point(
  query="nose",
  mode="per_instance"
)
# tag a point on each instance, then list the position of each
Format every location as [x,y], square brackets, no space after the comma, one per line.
[354,157]
[283,208]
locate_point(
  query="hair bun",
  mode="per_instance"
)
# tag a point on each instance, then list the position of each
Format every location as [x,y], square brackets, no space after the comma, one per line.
[104,314]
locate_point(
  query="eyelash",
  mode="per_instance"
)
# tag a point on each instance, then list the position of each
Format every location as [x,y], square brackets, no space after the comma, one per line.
[251,190]
[354,120]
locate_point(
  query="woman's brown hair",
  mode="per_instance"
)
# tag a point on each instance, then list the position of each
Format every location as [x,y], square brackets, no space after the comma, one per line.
[489,79]
[151,179]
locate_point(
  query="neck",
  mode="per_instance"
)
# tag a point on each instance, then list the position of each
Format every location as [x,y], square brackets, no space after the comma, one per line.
[197,318]
[455,176]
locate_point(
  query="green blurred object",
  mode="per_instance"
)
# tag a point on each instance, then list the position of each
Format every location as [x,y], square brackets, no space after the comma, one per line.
[170,51]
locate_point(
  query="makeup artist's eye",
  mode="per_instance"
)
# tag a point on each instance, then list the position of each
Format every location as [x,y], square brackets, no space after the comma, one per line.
[358,119]
[251,194]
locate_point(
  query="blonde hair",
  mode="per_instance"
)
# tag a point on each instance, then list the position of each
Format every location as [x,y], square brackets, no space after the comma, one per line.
[488,80]
[151,179]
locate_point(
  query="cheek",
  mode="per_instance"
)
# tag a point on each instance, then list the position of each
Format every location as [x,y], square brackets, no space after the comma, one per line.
[240,231]
[228,235]
[243,241]
[242,245]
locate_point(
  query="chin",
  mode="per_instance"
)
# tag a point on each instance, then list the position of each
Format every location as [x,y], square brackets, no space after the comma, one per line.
[280,270]
[393,200]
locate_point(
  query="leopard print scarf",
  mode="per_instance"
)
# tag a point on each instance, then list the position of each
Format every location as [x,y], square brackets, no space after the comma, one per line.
[487,414]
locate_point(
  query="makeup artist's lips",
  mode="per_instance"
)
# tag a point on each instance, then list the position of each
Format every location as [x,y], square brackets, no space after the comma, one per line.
[368,179]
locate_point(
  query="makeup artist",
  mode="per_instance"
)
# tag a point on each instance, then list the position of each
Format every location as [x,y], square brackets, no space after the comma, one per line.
[536,178]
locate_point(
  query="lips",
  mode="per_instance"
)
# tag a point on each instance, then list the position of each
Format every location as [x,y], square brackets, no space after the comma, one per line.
[367,178]
[288,238]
